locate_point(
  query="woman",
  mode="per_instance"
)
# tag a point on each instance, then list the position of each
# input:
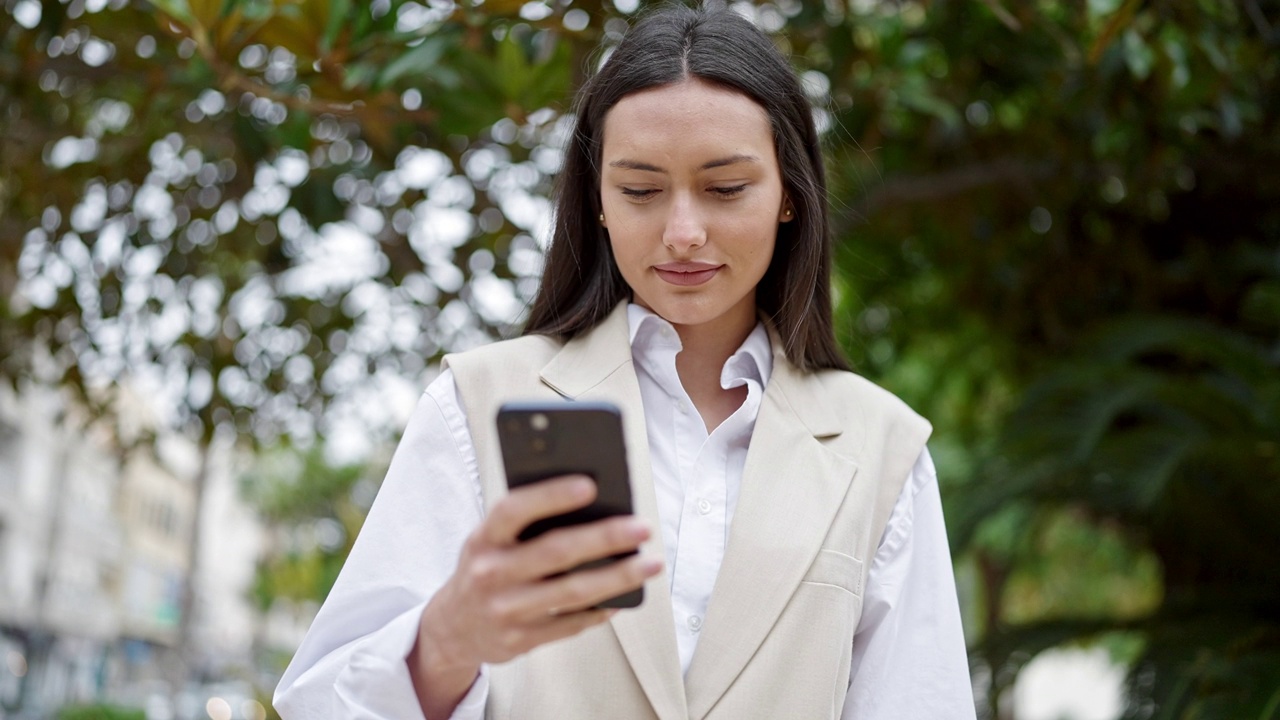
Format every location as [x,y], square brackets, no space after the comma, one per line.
[688,282]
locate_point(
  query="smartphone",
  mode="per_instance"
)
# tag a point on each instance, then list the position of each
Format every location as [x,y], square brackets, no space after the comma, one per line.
[542,440]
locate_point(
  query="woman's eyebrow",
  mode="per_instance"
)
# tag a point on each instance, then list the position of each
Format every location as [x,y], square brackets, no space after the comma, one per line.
[731,160]
[626,164]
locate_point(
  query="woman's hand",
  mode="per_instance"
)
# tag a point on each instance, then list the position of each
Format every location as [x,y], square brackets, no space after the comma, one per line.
[502,602]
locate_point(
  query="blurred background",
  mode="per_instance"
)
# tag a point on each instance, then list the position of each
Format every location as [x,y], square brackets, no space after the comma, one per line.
[236,237]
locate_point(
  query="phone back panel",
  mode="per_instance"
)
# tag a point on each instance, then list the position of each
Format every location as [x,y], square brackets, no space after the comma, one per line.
[544,440]
[571,437]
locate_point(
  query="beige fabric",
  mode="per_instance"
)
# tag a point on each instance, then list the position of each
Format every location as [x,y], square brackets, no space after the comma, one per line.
[828,459]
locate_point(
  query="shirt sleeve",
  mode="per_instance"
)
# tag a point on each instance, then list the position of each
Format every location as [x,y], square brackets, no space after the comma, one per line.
[351,664]
[909,658]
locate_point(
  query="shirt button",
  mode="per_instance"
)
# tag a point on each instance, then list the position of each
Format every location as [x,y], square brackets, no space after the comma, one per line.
[695,623]
[704,506]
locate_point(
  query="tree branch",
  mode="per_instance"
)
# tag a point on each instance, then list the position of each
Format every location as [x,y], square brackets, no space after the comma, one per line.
[1003,15]
[950,183]
[1268,33]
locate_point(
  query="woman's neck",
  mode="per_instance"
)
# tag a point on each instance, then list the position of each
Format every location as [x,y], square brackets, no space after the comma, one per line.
[705,349]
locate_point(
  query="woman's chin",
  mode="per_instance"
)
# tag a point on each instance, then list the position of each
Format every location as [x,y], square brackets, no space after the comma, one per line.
[693,312]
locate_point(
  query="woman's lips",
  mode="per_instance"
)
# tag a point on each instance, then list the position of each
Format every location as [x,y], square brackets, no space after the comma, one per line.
[687,274]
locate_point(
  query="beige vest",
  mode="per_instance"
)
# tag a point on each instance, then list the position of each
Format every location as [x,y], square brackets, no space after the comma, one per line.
[827,461]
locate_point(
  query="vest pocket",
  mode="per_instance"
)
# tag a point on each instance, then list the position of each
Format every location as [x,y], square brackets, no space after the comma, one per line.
[837,569]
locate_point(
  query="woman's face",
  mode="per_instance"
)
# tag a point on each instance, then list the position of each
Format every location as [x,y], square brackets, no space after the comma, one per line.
[692,198]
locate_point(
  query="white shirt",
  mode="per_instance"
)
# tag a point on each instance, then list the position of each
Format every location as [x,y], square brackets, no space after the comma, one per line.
[909,660]
[696,475]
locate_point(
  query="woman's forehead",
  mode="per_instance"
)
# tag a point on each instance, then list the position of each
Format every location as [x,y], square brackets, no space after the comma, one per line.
[691,117]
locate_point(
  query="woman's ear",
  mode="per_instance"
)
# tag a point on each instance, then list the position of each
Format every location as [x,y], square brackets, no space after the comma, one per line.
[786,214]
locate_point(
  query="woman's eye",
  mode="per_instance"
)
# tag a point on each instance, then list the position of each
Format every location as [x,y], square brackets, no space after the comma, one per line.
[728,191]
[638,193]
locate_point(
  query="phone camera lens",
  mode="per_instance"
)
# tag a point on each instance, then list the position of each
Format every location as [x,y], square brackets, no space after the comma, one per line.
[538,422]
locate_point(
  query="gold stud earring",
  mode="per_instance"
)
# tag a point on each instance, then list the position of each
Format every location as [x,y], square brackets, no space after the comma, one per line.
[787,212]
[601,218]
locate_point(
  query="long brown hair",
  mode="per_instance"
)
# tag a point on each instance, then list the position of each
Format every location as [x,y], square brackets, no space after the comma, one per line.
[581,283]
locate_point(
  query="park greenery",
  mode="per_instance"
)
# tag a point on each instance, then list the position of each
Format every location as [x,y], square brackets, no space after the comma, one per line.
[1057,232]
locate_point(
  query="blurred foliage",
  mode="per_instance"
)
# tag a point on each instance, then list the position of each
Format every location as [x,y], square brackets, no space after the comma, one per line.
[313,512]
[1063,244]
[100,712]
[1058,233]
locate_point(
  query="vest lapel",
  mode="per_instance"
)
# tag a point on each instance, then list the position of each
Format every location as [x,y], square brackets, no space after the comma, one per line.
[791,489]
[598,366]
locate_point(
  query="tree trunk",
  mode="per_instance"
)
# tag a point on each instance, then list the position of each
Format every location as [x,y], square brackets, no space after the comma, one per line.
[185,654]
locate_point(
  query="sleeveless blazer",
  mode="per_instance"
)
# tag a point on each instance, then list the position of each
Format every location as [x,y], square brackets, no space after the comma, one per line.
[827,461]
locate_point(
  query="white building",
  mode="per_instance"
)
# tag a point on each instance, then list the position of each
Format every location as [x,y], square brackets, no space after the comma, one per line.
[94,552]
[61,551]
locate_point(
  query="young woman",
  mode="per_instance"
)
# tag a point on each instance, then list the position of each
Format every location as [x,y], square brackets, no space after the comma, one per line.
[790,532]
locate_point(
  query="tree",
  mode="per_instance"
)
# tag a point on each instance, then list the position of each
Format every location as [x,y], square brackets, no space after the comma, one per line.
[1068,258]
[211,199]
[313,511]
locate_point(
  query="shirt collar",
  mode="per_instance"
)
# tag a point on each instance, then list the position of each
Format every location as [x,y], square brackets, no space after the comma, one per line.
[650,334]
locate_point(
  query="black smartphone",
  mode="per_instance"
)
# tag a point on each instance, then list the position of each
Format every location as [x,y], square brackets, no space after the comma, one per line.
[542,440]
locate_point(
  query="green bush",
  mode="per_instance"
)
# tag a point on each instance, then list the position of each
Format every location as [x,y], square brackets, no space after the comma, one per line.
[100,712]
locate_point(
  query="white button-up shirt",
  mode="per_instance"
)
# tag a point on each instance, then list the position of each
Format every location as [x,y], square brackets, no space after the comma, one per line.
[909,659]
[696,474]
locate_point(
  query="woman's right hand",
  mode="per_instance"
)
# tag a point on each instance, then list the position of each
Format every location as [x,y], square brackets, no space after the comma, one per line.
[502,600]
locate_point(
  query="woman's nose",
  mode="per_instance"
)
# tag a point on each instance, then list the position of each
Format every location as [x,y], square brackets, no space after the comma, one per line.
[684,230]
